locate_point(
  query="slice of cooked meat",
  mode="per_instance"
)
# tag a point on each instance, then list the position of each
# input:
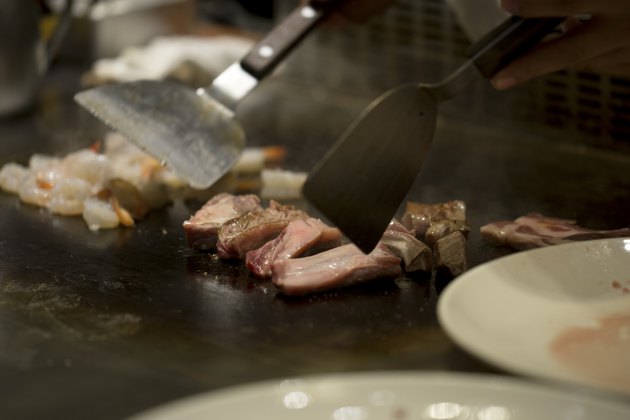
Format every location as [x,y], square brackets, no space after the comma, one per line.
[202,227]
[451,254]
[535,230]
[338,267]
[418,216]
[298,238]
[253,229]
[441,228]
[415,254]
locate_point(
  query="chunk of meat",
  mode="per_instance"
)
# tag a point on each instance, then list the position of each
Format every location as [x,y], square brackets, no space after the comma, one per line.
[254,228]
[338,267]
[297,239]
[202,227]
[535,230]
[451,256]
[440,228]
[418,216]
[415,254]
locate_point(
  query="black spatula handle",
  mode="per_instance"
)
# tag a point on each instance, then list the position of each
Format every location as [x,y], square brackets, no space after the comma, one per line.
[508,41]
[267,53]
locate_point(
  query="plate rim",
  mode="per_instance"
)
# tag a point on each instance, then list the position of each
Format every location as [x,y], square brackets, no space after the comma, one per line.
[446,324]
[481,381]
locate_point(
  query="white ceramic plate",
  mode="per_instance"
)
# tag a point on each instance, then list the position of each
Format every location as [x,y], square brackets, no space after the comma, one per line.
[560,312]
[391,396]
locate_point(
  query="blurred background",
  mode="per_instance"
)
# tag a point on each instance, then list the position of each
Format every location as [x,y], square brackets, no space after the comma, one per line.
[412,41]
[422,41]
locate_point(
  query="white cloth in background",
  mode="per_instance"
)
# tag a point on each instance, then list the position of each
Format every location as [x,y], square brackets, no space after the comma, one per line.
[161,56]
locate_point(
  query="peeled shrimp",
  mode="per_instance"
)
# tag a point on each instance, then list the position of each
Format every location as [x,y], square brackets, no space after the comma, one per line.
[99,214]
[12,176]
[88,165]
[32,192]
[67,196]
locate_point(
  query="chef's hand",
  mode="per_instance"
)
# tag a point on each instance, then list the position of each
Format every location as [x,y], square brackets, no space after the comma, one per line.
[600,44]
[355,11]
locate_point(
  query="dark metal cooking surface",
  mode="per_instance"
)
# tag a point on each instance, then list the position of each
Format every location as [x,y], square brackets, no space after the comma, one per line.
[103,325]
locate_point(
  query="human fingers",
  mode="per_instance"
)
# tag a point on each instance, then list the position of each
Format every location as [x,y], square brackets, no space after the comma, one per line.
[613,63]
[592,39]
[618,70]
[569,24]
[545,8]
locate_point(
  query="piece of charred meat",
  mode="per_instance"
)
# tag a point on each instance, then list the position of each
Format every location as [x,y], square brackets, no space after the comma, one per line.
[451,256]
[440,228]
[419,216]
[435,225]
[298,238]
[202,228]
[338,267]
[535,230]
[415,254]
[253,229]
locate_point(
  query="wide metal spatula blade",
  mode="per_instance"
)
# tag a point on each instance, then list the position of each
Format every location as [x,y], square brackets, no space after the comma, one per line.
[361,182]
[379,155]
[193,134]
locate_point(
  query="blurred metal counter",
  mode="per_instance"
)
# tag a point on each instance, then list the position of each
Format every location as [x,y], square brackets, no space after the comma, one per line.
[102,325]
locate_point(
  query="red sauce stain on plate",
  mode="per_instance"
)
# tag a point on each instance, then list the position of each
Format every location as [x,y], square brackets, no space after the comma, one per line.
[600,354]
[616,285]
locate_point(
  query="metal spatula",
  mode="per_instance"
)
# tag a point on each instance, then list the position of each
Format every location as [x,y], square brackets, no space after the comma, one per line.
[195,133]
[361,182]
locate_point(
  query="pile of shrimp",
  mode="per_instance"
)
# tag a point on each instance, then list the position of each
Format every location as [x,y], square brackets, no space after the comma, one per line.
[114,183]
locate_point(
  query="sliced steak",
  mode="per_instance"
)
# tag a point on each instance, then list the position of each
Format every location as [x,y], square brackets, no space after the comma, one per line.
[298,238]
[254,228]
[535,230]
[202,227]
[338,267]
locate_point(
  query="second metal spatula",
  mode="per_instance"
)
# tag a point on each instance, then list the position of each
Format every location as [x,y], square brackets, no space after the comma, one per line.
[360,184]
[195,132]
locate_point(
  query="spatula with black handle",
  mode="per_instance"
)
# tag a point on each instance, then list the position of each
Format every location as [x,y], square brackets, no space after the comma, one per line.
[195,132]
[361,182]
